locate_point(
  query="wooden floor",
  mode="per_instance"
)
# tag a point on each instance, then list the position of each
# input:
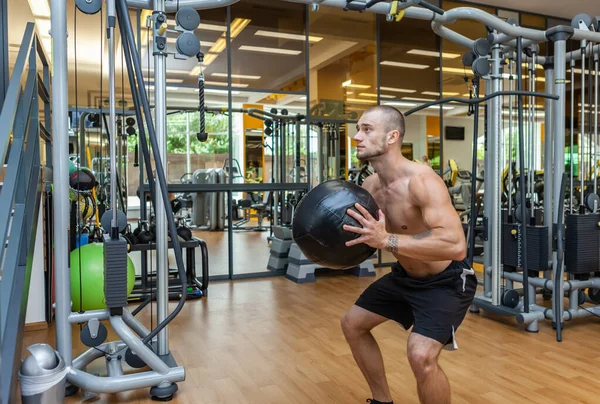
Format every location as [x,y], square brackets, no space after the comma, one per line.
[273,341]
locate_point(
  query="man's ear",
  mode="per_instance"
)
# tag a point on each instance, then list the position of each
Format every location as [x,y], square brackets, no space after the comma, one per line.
[394,137]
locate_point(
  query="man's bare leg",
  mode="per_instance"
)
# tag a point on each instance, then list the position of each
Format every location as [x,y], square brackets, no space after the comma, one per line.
[432,383]
[357,324]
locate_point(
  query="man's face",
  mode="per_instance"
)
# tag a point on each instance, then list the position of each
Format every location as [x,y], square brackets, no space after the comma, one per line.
[371,136]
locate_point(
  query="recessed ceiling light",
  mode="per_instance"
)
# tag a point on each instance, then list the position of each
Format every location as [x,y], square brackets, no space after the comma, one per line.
[359,101]
[237,76]
[445,55]
[401,104]
[224,84]
[213,91]
[417,99]
[283,35]
[405,65]
[397,90]
[375,95]
[445,93]
[39,8]
[263,49]
[438,107]
[348,84]
[455,70]
[211,27]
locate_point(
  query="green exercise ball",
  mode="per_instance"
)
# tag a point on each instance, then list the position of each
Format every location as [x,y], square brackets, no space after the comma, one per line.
[91,257]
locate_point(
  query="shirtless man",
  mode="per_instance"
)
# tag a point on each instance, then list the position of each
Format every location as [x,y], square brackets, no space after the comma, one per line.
[431,286]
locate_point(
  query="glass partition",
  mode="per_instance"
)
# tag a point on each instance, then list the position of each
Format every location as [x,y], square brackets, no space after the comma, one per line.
[268,45]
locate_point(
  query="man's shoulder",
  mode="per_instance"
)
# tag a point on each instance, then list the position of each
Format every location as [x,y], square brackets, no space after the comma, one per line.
[424,183]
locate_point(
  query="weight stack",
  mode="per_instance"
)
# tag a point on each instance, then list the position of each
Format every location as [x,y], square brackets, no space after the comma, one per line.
[115,272]
[582,252]
[537,247]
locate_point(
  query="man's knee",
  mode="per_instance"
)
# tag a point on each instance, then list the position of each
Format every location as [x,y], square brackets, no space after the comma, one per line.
[358,321]
[423,358]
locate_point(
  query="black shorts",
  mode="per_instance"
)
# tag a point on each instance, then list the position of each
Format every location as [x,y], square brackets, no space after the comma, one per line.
[436,306]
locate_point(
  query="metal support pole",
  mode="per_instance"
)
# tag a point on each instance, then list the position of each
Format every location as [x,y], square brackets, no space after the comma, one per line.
[559,35]
[495,137]
[510,140]
[188,157]
[162,247]
[60,155]
[487,195]
[571,136]
[112,127]
[548,166]
[582,133]
[595,154]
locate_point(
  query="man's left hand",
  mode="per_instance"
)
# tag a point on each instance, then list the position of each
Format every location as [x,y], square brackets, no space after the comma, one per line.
[372,232]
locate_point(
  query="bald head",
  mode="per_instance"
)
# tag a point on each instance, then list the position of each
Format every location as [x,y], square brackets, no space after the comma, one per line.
[391,118]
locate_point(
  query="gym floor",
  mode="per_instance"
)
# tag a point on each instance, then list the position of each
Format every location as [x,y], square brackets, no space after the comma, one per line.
[273,341]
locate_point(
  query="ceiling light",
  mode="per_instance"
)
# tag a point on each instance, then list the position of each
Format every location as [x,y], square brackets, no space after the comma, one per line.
[397,90]
[263,49]
[455,70]
[445,55]
[44,26]
[212,27]
[401,104]
[445,93]
[438,107]
[283,35]
[359,101]
[375,95]
[349,84]
[224,84]
[39,8]
[237,76]
[418,99]
[406,65]
[208,59]
[237,26]
[174,80]
[224,92]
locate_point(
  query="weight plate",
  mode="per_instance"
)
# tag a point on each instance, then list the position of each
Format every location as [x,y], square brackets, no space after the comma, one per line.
[187,18]
[89,6]
[510,298]
[107,219]
[187,44]
[591,200]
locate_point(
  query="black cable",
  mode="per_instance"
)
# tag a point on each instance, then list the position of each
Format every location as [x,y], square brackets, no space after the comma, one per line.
[149,172]
[522,218]
[102,208]
[127,34]
[474,214]
[560,238]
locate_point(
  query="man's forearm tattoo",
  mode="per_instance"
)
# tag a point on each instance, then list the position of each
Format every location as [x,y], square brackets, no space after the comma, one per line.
[392,245]
[422,235]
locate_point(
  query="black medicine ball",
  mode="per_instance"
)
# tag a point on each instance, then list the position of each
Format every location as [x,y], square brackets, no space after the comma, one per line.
[318,224]
[82,179]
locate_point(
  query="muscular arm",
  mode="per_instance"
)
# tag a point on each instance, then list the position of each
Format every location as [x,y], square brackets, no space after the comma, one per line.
[444,239]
